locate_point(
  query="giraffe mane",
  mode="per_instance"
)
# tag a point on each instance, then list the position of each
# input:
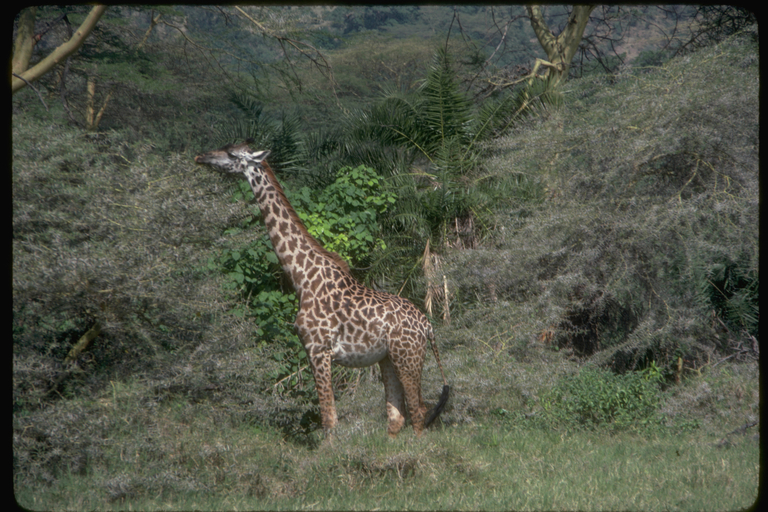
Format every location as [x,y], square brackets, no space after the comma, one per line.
[296,220]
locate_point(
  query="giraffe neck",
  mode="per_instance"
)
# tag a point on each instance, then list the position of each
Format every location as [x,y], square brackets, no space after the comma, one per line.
[299,253]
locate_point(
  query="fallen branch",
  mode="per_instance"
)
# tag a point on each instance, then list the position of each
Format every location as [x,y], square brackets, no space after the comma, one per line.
[742,351]
[742,429]
[83,343]
[725,442]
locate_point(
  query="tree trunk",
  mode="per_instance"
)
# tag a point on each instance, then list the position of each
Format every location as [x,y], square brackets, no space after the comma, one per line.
[560,49]
[93,118]
[90,92]
[152,23]
[25,40]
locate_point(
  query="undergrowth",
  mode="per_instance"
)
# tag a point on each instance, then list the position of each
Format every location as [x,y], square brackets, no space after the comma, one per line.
[597,398]
[645,247]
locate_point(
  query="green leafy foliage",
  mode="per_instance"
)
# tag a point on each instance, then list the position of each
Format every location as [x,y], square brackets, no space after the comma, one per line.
[430,142]
[253,273]
[344,217]
[731,290]
[598,398]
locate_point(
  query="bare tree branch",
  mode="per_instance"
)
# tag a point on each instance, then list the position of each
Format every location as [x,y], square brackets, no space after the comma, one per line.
[305,49]
[33,88]
[58,55]
[199,47]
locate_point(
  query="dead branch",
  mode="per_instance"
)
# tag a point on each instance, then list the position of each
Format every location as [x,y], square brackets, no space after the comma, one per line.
[83,343]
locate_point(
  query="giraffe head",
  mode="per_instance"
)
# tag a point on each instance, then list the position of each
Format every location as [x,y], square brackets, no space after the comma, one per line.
[232,159]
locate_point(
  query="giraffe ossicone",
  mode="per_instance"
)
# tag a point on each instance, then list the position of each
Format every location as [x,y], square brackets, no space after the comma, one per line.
[339,319]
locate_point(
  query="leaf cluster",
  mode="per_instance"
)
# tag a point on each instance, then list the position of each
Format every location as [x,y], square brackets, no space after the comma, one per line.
[344,217]
[598,398]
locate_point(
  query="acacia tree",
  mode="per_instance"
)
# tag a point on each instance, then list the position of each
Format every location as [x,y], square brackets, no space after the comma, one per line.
[493,76]
[561,48]
[26,39]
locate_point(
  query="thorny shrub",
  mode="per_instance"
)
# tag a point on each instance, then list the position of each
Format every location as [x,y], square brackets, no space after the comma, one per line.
[645,247]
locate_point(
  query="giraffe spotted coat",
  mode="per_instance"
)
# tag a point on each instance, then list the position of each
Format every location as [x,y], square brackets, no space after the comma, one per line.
[339,319]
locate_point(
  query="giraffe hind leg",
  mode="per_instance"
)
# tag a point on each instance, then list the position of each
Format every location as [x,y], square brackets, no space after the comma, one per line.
[411,382]
[407,367]
[409,377]
[395,396]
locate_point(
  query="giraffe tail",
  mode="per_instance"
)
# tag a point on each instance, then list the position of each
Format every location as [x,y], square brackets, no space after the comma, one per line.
[434,413]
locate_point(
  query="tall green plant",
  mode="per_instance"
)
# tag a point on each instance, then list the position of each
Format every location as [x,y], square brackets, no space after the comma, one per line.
[429,142]
[280,135]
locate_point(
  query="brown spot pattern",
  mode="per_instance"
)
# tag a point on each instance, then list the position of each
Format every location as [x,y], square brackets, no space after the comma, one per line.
[339,319]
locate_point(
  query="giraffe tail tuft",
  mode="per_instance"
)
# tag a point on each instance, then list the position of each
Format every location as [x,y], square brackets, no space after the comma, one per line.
[434,413]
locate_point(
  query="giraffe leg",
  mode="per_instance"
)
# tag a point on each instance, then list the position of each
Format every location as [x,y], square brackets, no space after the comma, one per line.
[320,362]
[409,375]
[395,397]
[411,382]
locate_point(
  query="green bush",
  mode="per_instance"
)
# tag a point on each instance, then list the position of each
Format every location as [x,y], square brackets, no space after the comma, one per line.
[599,398]
[343,217]
[431,143]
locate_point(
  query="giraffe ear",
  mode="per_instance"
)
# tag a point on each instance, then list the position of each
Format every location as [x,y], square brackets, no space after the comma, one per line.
[259,156]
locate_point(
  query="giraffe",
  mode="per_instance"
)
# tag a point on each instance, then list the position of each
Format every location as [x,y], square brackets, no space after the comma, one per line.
[339,319]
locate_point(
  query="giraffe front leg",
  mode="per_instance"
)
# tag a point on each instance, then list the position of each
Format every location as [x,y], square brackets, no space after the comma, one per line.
[395,397]
[320,362]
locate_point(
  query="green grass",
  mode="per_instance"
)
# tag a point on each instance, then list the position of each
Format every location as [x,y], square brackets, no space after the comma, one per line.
[184,455]
[460,468]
